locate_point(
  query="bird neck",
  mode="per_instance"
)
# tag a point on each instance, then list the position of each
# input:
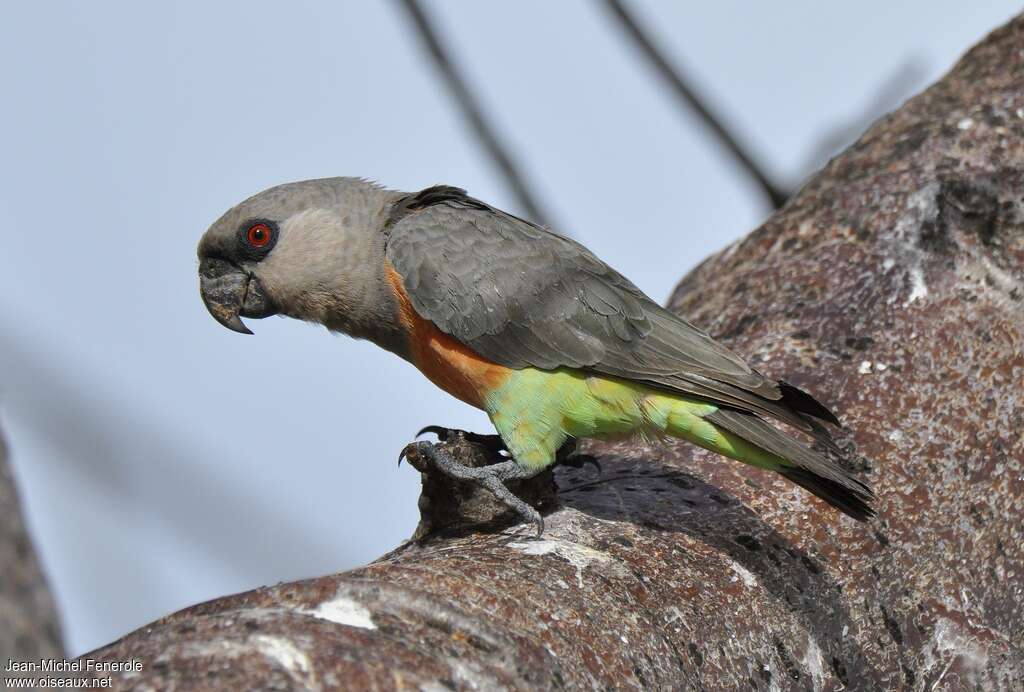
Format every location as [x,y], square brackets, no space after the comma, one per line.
[328,266]
[365,305]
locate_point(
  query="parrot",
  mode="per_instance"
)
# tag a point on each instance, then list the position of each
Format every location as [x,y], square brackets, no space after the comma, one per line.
[515,319]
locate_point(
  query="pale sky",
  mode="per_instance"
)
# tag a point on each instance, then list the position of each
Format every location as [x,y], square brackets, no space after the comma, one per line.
[164,460]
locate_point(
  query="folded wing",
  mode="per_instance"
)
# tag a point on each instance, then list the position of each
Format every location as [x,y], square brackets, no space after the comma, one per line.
[523,296]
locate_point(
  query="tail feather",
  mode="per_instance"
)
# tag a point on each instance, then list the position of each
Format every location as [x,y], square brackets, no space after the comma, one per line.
[807,468]
[799,400]
[839,496]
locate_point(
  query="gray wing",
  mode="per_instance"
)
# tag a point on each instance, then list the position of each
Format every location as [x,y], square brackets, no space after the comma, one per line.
[523,296]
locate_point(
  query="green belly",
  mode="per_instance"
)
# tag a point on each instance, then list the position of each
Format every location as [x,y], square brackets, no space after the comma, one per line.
[535,411]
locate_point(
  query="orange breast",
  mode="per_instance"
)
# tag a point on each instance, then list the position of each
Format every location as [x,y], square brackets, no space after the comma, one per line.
[448,363]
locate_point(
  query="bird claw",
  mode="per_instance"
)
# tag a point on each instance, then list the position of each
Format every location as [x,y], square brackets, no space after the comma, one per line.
[491,477]
[441,432]
[412,446]
[578,461]
[568,456]
[492,443]
[539,523]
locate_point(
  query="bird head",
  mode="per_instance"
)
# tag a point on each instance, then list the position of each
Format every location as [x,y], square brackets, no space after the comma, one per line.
[306,250]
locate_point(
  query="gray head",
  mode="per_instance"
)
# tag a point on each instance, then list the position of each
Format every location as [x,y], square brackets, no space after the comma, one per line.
[313,250]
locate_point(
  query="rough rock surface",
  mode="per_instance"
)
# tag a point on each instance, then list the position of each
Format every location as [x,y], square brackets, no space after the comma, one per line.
[28,621]
[892,286]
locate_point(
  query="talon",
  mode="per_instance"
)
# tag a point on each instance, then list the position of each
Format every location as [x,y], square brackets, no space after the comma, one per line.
[592,460]
[577,461]
[404,454]
[493,443]
[490,477]
[539,521]
[442,433]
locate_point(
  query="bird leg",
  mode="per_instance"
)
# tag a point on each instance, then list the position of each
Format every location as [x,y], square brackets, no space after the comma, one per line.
[492,477]
[568,455]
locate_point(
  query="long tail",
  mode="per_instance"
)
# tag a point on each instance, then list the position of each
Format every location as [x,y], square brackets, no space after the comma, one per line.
[747,438]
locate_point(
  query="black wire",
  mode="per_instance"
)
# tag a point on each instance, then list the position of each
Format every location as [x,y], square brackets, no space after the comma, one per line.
[472,111]
[689,98]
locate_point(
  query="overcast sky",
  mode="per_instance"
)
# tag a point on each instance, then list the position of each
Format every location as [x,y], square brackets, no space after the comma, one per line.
[164,460]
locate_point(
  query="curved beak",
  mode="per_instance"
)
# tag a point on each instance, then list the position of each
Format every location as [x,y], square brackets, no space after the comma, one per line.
[223,287]
[229,291]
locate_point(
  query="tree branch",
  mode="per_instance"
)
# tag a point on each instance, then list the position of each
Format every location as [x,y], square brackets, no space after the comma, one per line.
[892,286]
[29,629]
[689,99]
[499,153]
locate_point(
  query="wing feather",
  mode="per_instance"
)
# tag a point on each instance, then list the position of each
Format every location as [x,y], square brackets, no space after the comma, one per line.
[523,296]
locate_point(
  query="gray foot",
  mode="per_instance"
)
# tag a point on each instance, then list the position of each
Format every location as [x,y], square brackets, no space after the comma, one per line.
[568,456]
[492,477]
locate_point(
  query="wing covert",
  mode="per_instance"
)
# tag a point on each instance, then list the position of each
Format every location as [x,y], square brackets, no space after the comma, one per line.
[523,296]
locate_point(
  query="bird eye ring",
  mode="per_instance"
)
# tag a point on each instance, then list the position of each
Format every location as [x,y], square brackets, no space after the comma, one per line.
[258,235]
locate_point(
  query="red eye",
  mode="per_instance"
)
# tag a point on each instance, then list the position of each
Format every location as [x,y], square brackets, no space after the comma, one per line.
[258,234]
